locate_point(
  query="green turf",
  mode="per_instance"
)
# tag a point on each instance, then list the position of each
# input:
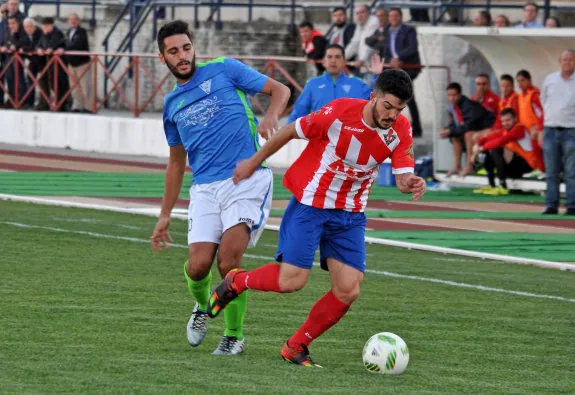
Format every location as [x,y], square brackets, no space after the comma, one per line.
[89,314]
[546,246]
[152,184]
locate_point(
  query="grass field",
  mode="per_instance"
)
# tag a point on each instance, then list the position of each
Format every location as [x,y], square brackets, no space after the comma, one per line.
[87,307]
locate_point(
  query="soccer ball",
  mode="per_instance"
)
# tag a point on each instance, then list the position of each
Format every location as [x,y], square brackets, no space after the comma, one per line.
[385,353]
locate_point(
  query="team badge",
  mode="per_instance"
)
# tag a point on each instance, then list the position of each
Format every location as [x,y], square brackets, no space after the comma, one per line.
[206,86]
[390,137]
[346,88]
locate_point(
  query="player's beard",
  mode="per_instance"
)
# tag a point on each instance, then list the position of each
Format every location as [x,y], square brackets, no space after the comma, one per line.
[375,116]
[180,76]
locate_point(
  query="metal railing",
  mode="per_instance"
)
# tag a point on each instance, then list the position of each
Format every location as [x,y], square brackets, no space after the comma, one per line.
[134,95]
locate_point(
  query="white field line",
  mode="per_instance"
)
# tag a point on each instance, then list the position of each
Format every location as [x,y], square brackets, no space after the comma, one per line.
[269,258]
[372,240]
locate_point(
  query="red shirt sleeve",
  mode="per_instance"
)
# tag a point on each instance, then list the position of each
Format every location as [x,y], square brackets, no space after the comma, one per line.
[514,104]
[537,109]
[403,157]
[499,139]
[314,126]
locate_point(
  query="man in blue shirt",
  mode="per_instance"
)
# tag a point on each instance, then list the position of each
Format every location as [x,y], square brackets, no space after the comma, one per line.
[530,11]
[208,119]
[332,84]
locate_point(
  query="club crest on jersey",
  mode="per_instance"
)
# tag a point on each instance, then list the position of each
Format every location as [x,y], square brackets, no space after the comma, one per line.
[346,88]
[206,86]
[390,137]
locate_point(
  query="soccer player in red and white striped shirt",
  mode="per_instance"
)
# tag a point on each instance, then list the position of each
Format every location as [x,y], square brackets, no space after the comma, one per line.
[330,181]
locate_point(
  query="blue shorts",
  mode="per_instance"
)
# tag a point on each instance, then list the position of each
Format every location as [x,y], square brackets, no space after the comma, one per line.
[339,234]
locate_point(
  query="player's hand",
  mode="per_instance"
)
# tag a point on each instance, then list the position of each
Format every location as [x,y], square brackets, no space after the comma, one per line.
[376,64]
[161,236]
[244,169]
[444,133]
[268,126]
[416,186]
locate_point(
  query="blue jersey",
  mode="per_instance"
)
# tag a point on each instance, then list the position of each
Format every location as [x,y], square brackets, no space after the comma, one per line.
[324,89]
[211,116]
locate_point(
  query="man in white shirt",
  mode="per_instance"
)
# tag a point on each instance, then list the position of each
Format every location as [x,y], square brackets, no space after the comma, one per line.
[558,100]
[366,25]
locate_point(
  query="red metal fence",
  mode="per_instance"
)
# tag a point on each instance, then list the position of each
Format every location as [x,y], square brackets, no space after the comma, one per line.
[135,83]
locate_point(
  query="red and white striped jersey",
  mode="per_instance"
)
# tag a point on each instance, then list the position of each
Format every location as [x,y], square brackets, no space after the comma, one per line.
[341,161]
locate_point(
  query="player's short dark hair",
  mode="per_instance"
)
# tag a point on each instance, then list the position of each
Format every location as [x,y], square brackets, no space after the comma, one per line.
[336,9]
[396,9]
[47,21]
[483,75]
[509,111]
[524,73]
[507,77]
[15,18]
[531,4]
[454,86]
[337,46]
[396,82]
[306,24]
[171,29]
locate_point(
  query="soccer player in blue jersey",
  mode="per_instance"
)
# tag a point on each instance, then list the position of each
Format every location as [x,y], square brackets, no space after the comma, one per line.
[208,120]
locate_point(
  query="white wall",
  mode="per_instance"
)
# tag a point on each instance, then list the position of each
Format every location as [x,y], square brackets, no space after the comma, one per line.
[102,134]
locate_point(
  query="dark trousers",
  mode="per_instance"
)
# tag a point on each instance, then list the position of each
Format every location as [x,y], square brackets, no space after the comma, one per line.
[60,87]
[16,72]
[559,153]
[494,160]
[415,122]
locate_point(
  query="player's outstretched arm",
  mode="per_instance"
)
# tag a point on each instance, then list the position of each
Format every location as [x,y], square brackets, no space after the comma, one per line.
[279,96]
[410,183]
[247,167]
[173,184]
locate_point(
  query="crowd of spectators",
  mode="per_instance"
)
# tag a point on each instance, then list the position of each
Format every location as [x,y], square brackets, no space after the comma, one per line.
[35,44]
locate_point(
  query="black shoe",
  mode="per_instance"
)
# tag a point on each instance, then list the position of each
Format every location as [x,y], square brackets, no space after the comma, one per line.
[298,356]
[223,294]
[570,211]
[550,211]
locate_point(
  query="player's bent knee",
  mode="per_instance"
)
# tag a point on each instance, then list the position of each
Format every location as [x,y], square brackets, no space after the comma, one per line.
[198,269]
[292,279]
[225,266]
[347,296]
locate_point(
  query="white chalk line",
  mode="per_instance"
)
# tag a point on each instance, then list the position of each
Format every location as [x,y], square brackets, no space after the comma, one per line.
[269,258]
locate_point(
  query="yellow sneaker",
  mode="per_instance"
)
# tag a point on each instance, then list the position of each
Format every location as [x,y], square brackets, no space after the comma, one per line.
[499,191]
[482,190]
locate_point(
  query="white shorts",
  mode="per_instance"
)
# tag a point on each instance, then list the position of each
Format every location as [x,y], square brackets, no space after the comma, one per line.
[221,205]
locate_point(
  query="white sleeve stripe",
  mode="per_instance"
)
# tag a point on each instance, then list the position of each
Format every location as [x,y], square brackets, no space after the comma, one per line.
[403,170]
[299,130]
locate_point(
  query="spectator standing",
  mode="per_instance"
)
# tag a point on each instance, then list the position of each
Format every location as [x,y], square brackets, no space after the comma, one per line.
[552,22]
[378,39]
[333,84]
[52,42]
[79,66]
[14,10]
[313,44]
[342,31]
[482,18]
[15,73]
[401,49]
[530,11]
[466,118]
[4,33]
[501,21]
[558,97]
[357,50]
[484,95]
[515,138]
[36,63]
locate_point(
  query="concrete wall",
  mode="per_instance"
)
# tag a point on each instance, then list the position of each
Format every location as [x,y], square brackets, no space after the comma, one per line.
[102,134]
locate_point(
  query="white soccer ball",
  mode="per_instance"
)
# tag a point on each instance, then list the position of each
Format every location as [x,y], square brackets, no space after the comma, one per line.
[385,353]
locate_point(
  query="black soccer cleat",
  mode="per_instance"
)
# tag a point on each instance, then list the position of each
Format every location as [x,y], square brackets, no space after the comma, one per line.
[223,294]
[298,356]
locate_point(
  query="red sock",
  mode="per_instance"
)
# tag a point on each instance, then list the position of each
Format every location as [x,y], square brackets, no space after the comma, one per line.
[264,278]
[324,314]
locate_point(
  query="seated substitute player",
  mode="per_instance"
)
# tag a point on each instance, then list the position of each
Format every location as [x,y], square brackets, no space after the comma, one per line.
[516,138]
[208,119]
[330,181]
